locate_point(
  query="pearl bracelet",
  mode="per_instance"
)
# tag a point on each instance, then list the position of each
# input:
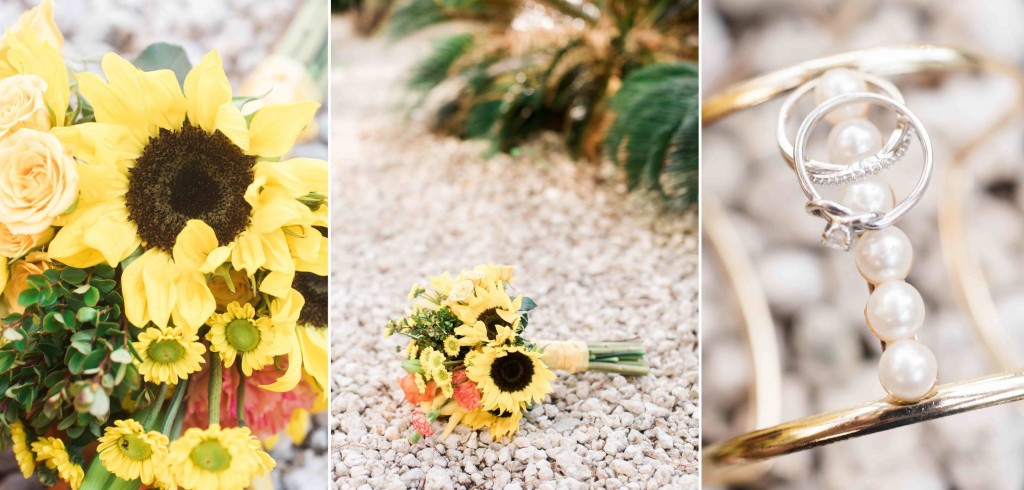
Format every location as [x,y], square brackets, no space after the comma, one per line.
[866,210]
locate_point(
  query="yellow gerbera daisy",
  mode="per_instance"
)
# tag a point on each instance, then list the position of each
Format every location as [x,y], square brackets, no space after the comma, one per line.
[507,377]
[225,459]
[239,332]
[184,175]
[500,423]
[452,346]
[22,454]
[51,451]
[168,354]
[490,315]
[129,452]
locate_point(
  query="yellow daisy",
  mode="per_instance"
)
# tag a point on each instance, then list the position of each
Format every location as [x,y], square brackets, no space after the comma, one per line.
[51,451]
[444,381]
[499,422]
[412,349]
[168,354]
[488,316]
[184,175]
[239,332]
[452,346]
[129,452]
[507,377]
[22,454]
[225,459]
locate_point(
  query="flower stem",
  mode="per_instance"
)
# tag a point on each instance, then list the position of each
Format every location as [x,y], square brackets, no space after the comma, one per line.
[240,398]
[155,410]
[213,393]
[172,412]
[98,475]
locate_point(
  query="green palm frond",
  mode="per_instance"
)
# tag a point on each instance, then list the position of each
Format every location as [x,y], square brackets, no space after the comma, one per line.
[410,16]
[436,68]
[654,136]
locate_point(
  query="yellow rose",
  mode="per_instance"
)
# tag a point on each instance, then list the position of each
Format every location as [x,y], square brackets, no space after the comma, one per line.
[33,263]
[222,293]
[23,104]
[461,290]
[39,20]
[38,181]
[13,246]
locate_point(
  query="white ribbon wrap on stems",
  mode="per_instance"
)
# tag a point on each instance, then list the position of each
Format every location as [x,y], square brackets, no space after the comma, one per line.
[565,355]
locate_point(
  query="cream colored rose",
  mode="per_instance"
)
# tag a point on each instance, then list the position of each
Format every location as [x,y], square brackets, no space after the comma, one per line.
[22,104]
[461,290]
[38,181]
[33,263]
[223,295]
[13,246]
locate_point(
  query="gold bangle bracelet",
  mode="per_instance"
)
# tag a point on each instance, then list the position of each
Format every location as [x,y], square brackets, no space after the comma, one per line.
[746,456]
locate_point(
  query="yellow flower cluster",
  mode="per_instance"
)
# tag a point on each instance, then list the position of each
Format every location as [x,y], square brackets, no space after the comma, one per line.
[507,373]
[34,93]
[222,458]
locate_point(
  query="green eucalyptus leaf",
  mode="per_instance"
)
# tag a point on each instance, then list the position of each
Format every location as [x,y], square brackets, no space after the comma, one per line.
[164,56]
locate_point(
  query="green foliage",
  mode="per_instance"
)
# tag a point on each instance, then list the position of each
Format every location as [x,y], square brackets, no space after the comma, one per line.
[164,56]
[410,16]
[654,136]
[66,360]
[435,69]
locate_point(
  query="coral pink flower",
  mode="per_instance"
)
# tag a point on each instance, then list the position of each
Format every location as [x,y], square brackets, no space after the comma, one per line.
[421,424]
[412,392]
[466,392]
[266,412]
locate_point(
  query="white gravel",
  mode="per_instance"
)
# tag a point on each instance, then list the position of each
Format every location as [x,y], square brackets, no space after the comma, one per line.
[829,357]
[602,265]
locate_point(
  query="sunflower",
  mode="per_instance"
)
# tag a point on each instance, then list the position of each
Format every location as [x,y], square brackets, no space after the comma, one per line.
[129,452]
[184,175]
[501,423]
[51,451]
[508,376]
[490,315]
[226,459]
[239,332]
[168,354]
[305,309]
[22,454]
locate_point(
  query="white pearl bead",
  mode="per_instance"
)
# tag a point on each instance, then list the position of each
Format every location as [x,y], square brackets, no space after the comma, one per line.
[884,255]
[895,311]
[867,196]
[908,370]
[839,81]
[852,140]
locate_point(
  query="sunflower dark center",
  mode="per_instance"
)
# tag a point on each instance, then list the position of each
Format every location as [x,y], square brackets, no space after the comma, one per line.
[492,320]
[512,372]
[189,174]
[314,289]
[501,414]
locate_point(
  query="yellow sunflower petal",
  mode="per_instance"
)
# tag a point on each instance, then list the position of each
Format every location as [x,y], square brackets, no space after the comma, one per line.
[231,122]
[194,243]
[99,143]
[313,342]
[248,252]
[275,248]
[274,128]
[29,54]
[112,234]
[290,379]
[206,89]
[277,283]
[149,290]
[195,302]
[143,102]
[298,426]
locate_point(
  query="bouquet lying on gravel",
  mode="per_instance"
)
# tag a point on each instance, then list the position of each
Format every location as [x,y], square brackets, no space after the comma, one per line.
[162,269]
[467,358]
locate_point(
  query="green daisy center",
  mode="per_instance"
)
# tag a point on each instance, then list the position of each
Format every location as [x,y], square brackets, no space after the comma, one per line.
[210,455]
[134,447]
[243,335]
[166,351]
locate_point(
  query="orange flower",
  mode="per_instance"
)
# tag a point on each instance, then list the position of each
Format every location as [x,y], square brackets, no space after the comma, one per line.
[412,392]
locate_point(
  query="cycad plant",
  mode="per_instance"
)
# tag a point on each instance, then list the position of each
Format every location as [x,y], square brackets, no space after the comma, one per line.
[605,74]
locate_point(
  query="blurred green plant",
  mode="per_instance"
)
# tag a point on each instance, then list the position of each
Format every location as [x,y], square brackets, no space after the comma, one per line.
[557,65]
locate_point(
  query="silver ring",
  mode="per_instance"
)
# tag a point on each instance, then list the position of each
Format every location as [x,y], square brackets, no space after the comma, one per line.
[826,173]
[822,207]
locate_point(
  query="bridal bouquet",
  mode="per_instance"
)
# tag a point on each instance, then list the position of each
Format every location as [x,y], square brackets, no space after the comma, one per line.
[467,359]
[162,269]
